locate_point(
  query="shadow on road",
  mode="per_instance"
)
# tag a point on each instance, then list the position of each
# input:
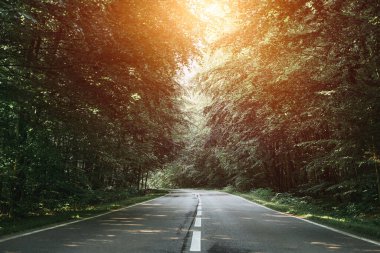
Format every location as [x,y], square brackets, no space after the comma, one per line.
[219,248]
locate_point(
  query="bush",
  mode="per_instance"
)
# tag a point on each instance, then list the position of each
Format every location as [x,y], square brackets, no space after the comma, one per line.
[242,183]
[264,193]
[229,188]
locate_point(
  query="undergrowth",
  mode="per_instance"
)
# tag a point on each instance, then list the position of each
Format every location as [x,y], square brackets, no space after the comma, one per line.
[349,217]
[89,205]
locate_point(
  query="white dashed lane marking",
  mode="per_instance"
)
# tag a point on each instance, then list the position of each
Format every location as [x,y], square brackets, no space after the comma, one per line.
[196,238]
[196,241]
[198,222]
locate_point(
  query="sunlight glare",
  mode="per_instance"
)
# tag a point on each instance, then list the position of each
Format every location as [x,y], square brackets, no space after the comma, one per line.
[216,10]
[210,11]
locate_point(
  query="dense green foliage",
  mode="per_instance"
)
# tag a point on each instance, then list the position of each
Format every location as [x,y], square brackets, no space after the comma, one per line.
[296,105]
[87,96]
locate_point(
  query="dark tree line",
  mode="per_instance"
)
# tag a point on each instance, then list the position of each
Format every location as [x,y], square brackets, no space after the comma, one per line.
[297,105]
[87,96]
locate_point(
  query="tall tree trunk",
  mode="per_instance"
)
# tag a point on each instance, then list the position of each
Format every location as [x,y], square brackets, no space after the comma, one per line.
[142,180]
[378,180]
[139,178]
[146,180]
[12,201]
[18,176]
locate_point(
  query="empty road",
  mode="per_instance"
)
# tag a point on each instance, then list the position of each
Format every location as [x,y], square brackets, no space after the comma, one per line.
[189,221]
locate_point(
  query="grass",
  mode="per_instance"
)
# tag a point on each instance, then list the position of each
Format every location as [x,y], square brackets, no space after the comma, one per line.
[323,212]
[75,212]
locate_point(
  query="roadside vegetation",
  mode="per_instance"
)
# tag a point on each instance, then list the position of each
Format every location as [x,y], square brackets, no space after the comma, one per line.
[353,218]
[76,208]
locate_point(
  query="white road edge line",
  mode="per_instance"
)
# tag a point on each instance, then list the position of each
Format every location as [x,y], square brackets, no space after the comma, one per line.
[196,241]
[314,223]
[199,213]
[198,222]
[76,221]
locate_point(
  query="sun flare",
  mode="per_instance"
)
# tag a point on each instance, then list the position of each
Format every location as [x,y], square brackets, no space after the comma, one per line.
[210,11]
[216,16]
[216,10]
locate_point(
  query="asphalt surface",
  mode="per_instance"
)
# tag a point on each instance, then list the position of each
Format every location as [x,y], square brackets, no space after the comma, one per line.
[187,221]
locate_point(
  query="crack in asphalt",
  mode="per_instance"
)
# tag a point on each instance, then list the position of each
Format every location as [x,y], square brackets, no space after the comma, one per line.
[187,236]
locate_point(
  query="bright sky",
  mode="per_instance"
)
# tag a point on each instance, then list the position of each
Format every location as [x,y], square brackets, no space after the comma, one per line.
[216,15]
[218,20]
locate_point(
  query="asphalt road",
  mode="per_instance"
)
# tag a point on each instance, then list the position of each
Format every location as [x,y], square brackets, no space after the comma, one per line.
[190,221]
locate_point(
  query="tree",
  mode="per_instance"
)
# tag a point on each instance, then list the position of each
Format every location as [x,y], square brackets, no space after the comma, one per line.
[88,96]
[293,107]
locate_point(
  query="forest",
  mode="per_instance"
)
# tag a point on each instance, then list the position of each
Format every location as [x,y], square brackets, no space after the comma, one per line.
[294,106]
[88,99]
[284,95]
